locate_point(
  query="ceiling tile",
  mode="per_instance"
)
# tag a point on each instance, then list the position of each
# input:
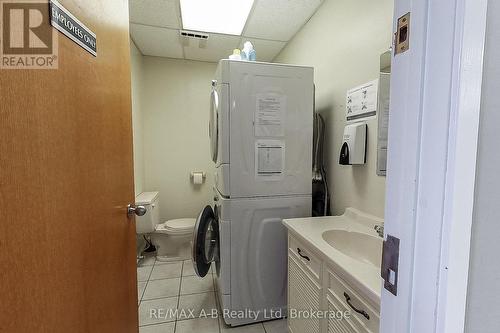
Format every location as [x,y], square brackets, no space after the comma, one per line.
[215,48]
[158,42]
[161,13]
[266,50]
[279,19]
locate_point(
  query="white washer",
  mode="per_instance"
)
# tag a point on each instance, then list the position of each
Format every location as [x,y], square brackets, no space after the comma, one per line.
[248,244]
[261,132]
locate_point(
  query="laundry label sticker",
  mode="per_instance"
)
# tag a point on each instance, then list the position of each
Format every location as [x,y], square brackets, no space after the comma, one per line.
[269,115]
[269,160]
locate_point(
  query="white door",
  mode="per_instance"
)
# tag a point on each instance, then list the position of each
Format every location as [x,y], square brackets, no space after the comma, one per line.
[435,103]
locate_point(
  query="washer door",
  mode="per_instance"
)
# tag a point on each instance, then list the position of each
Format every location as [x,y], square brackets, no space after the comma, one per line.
[205,241]
[213,128]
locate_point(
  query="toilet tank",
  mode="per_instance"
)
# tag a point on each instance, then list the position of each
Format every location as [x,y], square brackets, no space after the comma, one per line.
[147,223]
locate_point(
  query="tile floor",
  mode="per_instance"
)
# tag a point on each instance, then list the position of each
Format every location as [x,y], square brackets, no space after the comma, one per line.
[165,287]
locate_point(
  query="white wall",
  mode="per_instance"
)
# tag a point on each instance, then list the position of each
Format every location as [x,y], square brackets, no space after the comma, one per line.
[136,64]
[175,100]
[344,41]
[483,301]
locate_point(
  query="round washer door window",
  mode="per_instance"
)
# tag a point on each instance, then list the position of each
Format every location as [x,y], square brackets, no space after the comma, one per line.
[205,241]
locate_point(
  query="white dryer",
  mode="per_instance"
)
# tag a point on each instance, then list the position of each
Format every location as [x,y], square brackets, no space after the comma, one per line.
[261,131]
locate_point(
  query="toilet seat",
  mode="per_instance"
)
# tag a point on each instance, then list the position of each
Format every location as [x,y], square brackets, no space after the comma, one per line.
[176,227]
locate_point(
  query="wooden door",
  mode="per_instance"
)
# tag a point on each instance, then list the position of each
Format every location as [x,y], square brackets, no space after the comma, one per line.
[67,248]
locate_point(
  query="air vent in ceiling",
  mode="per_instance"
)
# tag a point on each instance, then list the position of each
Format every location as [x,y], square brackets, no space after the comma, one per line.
[194,34]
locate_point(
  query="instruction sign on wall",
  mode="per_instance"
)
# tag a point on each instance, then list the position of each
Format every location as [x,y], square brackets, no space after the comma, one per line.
[361,102]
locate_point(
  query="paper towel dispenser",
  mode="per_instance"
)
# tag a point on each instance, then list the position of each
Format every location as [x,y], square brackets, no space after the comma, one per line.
[353,149]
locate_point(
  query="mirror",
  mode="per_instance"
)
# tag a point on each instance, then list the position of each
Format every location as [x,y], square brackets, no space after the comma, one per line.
[383,114]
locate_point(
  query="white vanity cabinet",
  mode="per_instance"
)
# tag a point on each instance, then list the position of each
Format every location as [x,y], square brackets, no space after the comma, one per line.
[315,286]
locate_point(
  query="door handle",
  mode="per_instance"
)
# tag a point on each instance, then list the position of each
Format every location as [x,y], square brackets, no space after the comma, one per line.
[137,210]
[361,312]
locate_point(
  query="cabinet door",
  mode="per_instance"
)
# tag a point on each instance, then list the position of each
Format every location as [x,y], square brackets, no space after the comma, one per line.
[303,295]
[309,260]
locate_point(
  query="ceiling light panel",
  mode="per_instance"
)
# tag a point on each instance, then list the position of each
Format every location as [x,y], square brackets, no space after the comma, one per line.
[215,48]
[160,13]
[219,16]
[279,19]
[158,42]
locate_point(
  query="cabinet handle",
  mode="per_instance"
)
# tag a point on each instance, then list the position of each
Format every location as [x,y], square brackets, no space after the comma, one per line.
[361,312]
[299,251]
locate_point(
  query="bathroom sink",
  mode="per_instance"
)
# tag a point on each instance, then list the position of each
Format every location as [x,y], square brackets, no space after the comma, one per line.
[359,246]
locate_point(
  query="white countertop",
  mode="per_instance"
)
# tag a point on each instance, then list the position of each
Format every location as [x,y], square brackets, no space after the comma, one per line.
[362,276]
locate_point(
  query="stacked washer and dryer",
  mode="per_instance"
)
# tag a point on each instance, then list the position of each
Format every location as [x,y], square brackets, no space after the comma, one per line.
[261,133]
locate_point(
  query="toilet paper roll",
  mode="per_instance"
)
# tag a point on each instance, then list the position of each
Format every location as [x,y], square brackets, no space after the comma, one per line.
[197,178]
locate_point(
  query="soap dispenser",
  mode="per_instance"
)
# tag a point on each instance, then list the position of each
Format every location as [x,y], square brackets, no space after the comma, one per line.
[353,151]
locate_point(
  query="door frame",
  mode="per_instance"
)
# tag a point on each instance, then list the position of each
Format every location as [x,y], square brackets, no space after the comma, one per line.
[435,107]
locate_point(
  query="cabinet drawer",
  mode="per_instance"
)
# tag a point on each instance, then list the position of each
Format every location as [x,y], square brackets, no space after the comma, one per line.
[339,324]
[310,261]
[341,292]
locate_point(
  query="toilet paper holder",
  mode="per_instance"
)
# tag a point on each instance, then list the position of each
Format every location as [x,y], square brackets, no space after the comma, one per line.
[203,176]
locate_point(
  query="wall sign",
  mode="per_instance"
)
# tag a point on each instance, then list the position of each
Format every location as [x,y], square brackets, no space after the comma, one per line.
[361,102]
[270,114]
[65,22]
[269,160]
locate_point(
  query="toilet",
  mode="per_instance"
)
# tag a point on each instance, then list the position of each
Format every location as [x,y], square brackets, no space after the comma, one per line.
[172,238]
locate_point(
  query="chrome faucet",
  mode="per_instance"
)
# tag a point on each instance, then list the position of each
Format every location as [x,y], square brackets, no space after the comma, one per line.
[380,230]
